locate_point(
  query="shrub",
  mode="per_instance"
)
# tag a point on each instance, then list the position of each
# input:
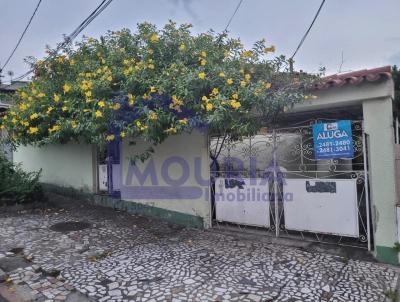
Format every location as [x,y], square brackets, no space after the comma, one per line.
[152,84]
[18,186]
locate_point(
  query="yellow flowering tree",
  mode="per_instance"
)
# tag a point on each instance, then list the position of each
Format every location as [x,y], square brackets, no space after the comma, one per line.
[152,84]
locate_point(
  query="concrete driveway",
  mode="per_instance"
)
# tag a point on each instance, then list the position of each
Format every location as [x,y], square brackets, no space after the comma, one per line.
[115,256]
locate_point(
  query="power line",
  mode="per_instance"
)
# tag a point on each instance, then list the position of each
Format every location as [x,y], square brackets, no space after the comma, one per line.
[22,35]
[233,15]
[99,9]
[68,39]
[308,30]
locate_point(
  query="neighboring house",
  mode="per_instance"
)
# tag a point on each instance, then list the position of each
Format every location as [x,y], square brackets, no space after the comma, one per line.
[348,201]
[4,149]
[4,105]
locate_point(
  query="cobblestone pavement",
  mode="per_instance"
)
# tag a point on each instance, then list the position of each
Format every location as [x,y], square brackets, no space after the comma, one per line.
[123,257]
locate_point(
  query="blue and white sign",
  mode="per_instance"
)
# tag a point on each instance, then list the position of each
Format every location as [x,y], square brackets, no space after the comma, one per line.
[333,140]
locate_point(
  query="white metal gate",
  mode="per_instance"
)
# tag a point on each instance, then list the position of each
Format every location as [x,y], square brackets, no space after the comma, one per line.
[272,181]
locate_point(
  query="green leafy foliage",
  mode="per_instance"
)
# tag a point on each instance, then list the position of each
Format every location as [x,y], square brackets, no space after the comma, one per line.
[152,84]
[391,295]
[396,247]
[17,186]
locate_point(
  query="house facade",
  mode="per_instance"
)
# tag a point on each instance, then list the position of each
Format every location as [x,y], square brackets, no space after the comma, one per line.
[4,149]
[4,106]
[349,200]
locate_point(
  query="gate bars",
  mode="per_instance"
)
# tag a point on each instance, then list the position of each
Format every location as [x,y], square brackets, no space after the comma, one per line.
[290,150]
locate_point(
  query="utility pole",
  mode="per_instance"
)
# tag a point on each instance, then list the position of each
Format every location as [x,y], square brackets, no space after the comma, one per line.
[291,61]
[10,74]
[341,63]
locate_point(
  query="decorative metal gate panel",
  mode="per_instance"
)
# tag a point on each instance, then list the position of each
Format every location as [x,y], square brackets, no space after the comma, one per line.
[283,160]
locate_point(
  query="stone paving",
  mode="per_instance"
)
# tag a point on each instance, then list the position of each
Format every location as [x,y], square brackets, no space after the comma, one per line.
[122,257]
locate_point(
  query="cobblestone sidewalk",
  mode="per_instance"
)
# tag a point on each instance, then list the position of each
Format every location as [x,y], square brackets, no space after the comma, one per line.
[121,257]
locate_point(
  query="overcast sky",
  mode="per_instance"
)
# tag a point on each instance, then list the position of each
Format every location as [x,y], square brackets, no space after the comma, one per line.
[366,31]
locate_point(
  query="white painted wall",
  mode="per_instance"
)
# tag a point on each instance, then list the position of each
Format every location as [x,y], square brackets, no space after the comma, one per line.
[378,124]
[67,165]
[347,95]
[185,146]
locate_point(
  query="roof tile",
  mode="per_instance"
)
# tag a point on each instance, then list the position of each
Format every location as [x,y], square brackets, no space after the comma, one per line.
[354,78]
